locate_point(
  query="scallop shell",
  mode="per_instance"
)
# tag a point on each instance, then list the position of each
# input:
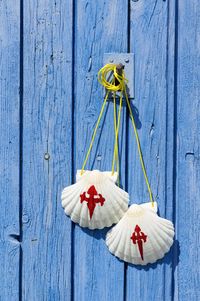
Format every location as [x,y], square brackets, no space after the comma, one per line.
[141,236]
[94,201]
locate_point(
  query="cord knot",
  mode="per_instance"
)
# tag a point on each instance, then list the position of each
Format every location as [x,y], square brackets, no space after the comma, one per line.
[112,77]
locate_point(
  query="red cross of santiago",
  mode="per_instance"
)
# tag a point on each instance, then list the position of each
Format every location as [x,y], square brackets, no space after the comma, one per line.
[92,197]
[138,237]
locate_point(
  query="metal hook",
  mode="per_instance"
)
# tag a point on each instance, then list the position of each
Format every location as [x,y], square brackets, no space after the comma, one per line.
[119,69]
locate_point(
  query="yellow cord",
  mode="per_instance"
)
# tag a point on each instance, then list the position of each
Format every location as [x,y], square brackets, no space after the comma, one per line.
[139,149]
[115,154]
[116,127]
[102,75]
[95,131]
[111,69]
[109,85]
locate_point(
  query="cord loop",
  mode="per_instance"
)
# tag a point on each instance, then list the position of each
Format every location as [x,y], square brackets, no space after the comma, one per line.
[112,77]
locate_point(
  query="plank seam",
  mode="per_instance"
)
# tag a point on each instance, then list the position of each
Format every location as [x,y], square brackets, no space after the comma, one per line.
[127,133]
[175,140]
[73,153]
[21,113]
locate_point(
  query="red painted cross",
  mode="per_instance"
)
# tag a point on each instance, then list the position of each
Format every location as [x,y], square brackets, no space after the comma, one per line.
[92,199]
[139,237]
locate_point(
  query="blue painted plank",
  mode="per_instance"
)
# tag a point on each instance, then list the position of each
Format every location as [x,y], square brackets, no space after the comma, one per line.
[47,148]
[152,42]
[187,153]
[9,150]
[100,27]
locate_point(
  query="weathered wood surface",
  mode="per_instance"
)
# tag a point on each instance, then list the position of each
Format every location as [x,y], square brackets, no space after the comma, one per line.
[53,50]
[47,149]
[97,274]
[187,136]
[153,46]
[9,150]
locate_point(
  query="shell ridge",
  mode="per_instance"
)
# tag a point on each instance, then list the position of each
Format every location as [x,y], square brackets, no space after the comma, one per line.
[101,210]
[141,222]
[117,205]
[153,240]
[164,245]
[77,210]
[123,193]
[117,244]
[69,197]
[120,201]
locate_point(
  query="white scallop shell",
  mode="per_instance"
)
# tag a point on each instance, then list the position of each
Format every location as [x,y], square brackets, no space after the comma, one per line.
[156,235]
[112,201]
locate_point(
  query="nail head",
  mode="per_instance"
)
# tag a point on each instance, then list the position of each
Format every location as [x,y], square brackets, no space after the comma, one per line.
[46,156]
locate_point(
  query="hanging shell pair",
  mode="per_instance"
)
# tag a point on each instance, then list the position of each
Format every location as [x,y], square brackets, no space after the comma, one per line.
[95,201]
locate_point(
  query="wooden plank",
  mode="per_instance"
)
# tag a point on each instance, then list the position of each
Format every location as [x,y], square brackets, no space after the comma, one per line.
[9,150]
[187,274]
[47,149]
[100,27]
[152,41]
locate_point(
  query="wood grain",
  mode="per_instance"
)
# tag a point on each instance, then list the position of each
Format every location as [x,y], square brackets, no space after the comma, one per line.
[9,150]
[152,41]
[47,149]
[100,27]
[187,153]
[51,51]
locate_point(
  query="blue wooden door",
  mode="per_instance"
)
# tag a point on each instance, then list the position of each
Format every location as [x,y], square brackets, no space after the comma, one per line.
[50,53]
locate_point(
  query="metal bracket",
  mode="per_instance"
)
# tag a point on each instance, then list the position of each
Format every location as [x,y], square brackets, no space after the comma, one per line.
[126,59]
